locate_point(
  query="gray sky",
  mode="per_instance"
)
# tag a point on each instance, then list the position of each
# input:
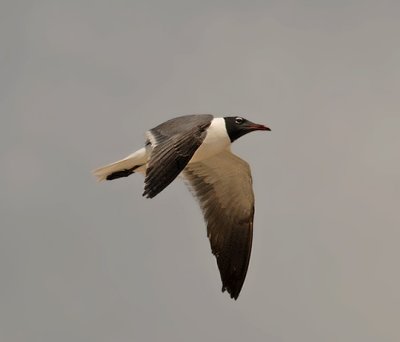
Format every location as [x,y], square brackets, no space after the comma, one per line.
[80,82]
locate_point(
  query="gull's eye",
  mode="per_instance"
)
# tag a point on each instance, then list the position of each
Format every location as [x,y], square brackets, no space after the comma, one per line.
[239,120]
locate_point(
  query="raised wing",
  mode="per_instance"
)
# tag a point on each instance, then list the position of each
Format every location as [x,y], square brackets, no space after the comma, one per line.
[174,142]
[223,187]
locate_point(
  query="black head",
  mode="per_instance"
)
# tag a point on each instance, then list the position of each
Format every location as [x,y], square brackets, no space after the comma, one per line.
[237,126]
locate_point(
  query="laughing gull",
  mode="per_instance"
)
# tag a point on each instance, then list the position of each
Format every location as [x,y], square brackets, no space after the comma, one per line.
[197,147]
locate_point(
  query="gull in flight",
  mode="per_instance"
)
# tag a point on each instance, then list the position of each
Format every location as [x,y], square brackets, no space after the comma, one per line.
[197,147]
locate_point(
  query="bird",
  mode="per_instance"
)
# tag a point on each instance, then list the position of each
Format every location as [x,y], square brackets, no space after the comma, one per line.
[197,148]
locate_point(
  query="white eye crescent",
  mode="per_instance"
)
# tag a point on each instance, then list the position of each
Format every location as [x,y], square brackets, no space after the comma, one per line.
[239,120]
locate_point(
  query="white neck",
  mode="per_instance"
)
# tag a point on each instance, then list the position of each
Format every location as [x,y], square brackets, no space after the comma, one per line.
[216,141]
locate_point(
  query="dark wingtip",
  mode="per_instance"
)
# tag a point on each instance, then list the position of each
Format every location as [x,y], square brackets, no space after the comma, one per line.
[150,192]
[146,194]
[234,294]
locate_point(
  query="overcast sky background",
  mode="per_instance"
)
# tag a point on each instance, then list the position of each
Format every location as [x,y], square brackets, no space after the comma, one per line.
[81,81]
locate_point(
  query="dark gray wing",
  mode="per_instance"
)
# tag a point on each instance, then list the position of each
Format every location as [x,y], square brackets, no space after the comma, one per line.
[223,187]
[174,143]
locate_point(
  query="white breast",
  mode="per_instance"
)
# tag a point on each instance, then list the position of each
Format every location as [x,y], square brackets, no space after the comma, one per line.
[216,141]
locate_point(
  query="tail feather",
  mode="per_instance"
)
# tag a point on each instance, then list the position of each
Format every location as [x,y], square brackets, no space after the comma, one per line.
[122,168]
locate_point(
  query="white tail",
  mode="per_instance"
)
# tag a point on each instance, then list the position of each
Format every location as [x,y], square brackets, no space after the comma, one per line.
[135,162]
